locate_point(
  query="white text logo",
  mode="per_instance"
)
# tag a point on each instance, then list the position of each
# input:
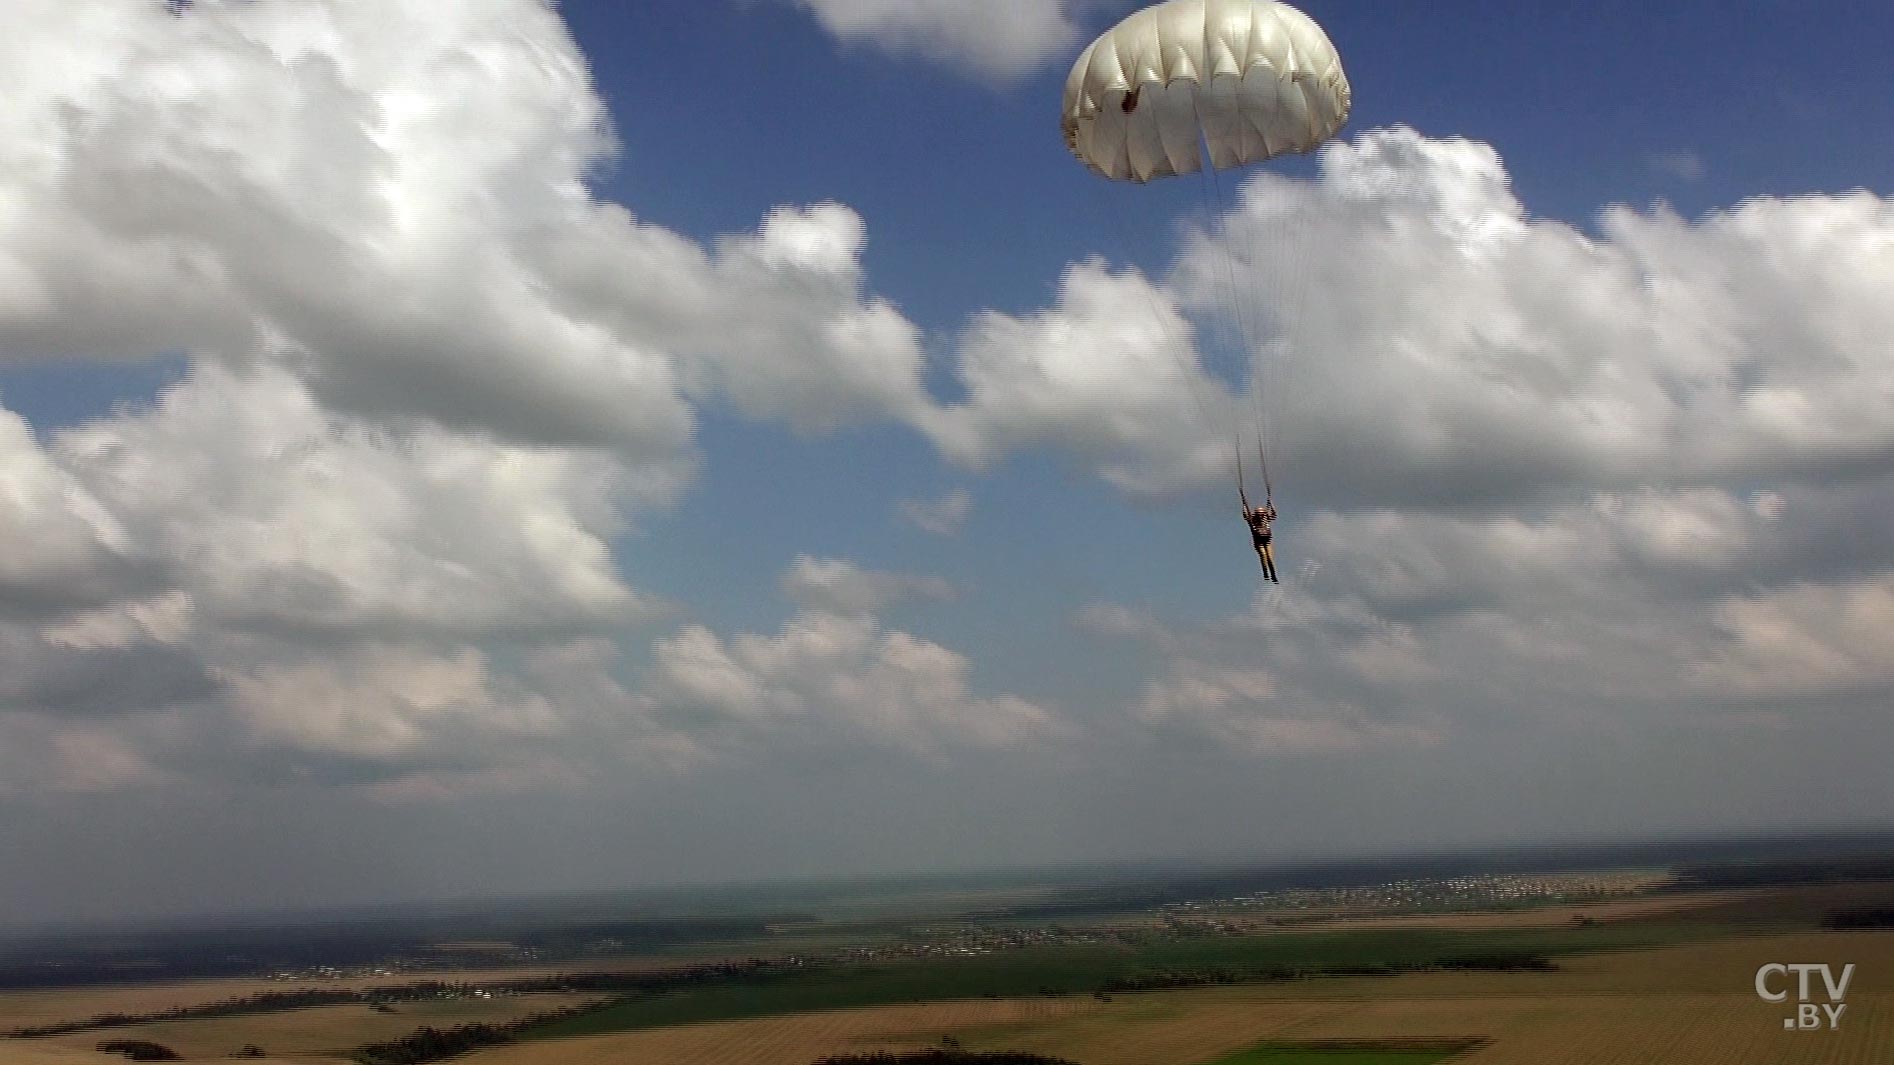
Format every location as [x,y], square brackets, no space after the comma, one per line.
[1773,983]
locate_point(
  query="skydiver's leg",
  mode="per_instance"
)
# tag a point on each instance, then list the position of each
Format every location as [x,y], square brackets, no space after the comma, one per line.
[1269,562]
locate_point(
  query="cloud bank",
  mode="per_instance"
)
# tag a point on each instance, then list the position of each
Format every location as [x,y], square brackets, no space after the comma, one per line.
[1423,340]
[434,380]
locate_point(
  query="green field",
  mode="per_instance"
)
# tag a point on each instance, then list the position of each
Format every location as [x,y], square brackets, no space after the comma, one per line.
[1307,1056]
[1082,970]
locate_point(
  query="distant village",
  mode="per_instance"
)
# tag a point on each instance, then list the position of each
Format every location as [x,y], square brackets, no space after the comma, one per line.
[1236,915]
[1456,894]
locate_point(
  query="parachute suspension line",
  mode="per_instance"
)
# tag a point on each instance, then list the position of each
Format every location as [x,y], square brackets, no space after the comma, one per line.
[1252,351]
[1262,460]
[1240,493]
[1174,342]
[1218,210]
[1262,383]
[1278,242]
[1286,240]
[1212,211]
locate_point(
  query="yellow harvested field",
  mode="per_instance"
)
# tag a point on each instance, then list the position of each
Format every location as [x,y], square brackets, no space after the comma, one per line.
[1676,1006]
[28,1054]
[1175,1027]
[1710,966]
[1807,903]
[328,1030]
[21,1009]
[1687,1005]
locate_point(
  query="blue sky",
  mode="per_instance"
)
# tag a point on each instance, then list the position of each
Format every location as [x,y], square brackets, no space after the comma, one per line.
[783,486]
[976,204]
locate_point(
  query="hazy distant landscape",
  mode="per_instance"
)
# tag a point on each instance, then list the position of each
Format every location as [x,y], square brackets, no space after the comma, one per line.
[1412,960]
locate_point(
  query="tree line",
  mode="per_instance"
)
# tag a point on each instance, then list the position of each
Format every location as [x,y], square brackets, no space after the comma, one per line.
[1173,979]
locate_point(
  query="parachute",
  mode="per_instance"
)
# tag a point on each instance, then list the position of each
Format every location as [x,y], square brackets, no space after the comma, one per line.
[1189,82]
[1246,80]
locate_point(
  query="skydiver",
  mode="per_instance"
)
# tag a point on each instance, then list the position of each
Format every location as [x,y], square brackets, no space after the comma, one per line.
[1258,519]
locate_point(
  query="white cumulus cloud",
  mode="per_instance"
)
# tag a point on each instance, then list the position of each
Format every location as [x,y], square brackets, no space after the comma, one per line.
[942,517]
[1245,710]
[831,679]
[388,704]
[838,586]
[65,549]
[1423,339]
[267,510]
[1108,372]
[1804,640]
[993,39]
[395,201]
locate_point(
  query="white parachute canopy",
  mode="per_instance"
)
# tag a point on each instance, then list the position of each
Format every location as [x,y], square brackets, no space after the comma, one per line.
[1245,79]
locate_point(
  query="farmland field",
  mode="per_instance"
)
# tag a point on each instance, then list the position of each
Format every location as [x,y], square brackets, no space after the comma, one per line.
[1675,1005]
[1668,979]
[30,1008]
[1289,1055]
[324,1030]
[793,1038]
[1082,970]
[1679,1005]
